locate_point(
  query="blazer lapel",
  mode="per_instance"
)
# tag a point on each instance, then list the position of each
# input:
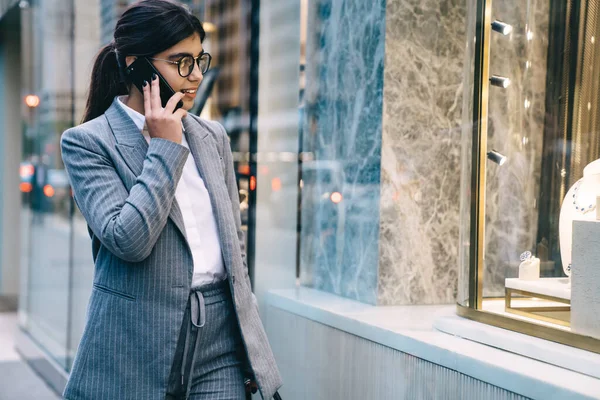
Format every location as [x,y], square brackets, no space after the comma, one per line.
[206,156]
[133,147]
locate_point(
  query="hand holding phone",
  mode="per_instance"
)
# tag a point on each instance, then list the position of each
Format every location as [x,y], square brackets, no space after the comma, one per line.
[162,106]
[142,70]
[162,122]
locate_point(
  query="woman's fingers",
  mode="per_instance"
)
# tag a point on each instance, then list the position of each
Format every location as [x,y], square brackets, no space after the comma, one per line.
[146,93]
[181,113]
[155,94]
[173,102]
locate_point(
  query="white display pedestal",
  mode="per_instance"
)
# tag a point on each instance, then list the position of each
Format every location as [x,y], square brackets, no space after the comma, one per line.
[585,277]
[558,288]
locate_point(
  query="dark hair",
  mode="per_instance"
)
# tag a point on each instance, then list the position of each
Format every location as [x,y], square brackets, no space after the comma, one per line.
[146,28]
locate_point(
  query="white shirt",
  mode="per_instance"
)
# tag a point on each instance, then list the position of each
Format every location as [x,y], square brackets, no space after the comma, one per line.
[200,223]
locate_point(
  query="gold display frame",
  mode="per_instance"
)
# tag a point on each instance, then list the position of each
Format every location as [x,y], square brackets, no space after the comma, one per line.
[530,311]
[473,309]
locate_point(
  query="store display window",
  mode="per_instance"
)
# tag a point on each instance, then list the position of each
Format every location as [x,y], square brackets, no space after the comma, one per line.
[531,169]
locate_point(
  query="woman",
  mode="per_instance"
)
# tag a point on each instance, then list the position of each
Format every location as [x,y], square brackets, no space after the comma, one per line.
[171,313]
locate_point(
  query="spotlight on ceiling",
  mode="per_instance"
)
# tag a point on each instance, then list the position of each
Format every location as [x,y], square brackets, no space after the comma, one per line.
[496,157]
[500,81]
[502,27]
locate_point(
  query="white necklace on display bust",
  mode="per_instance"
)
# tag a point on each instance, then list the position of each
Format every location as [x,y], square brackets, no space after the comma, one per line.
[586,208]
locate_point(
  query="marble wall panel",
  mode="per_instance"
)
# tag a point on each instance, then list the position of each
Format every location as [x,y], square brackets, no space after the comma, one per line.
[394,238]
[342,130]
[421,163]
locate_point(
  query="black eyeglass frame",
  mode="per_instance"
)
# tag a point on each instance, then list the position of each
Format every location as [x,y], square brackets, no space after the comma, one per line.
[196,62]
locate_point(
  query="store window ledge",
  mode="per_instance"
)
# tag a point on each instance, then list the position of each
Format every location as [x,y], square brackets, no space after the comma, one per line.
[563,356]
[413,330]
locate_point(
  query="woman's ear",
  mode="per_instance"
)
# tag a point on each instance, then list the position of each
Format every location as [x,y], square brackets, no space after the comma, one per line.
[129,60]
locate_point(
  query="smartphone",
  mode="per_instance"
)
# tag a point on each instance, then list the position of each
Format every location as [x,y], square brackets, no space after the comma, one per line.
[142,70]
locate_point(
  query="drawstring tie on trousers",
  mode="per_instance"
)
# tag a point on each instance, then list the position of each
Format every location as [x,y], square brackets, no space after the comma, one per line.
[198,319]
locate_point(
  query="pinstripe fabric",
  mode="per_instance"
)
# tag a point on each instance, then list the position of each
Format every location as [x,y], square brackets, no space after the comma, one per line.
[125,188]
[217,372]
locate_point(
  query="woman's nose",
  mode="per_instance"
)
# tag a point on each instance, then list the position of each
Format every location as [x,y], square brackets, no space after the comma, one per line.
[196,74]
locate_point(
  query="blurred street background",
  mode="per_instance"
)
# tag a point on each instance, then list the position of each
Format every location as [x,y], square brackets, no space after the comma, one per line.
[397,161]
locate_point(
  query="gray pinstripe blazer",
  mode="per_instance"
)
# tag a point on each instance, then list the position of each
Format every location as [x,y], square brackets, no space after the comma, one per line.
[125,189]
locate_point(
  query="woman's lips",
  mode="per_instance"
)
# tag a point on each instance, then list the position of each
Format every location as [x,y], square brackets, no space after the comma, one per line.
[189,93]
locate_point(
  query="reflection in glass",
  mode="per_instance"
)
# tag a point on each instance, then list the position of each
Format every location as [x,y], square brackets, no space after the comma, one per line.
[53,72]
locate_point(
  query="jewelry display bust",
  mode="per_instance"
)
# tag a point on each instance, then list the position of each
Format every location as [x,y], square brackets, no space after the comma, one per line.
[579,204]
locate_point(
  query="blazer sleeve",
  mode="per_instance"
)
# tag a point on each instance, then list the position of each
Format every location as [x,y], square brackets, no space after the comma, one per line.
[127,223]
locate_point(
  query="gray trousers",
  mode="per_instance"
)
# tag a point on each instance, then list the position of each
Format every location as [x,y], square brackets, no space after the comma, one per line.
[210,354]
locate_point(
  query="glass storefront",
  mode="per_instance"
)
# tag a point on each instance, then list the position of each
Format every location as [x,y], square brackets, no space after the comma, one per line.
[530,157]
[57,38]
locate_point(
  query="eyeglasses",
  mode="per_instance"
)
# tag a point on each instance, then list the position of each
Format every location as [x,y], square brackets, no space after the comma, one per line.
[186,63]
